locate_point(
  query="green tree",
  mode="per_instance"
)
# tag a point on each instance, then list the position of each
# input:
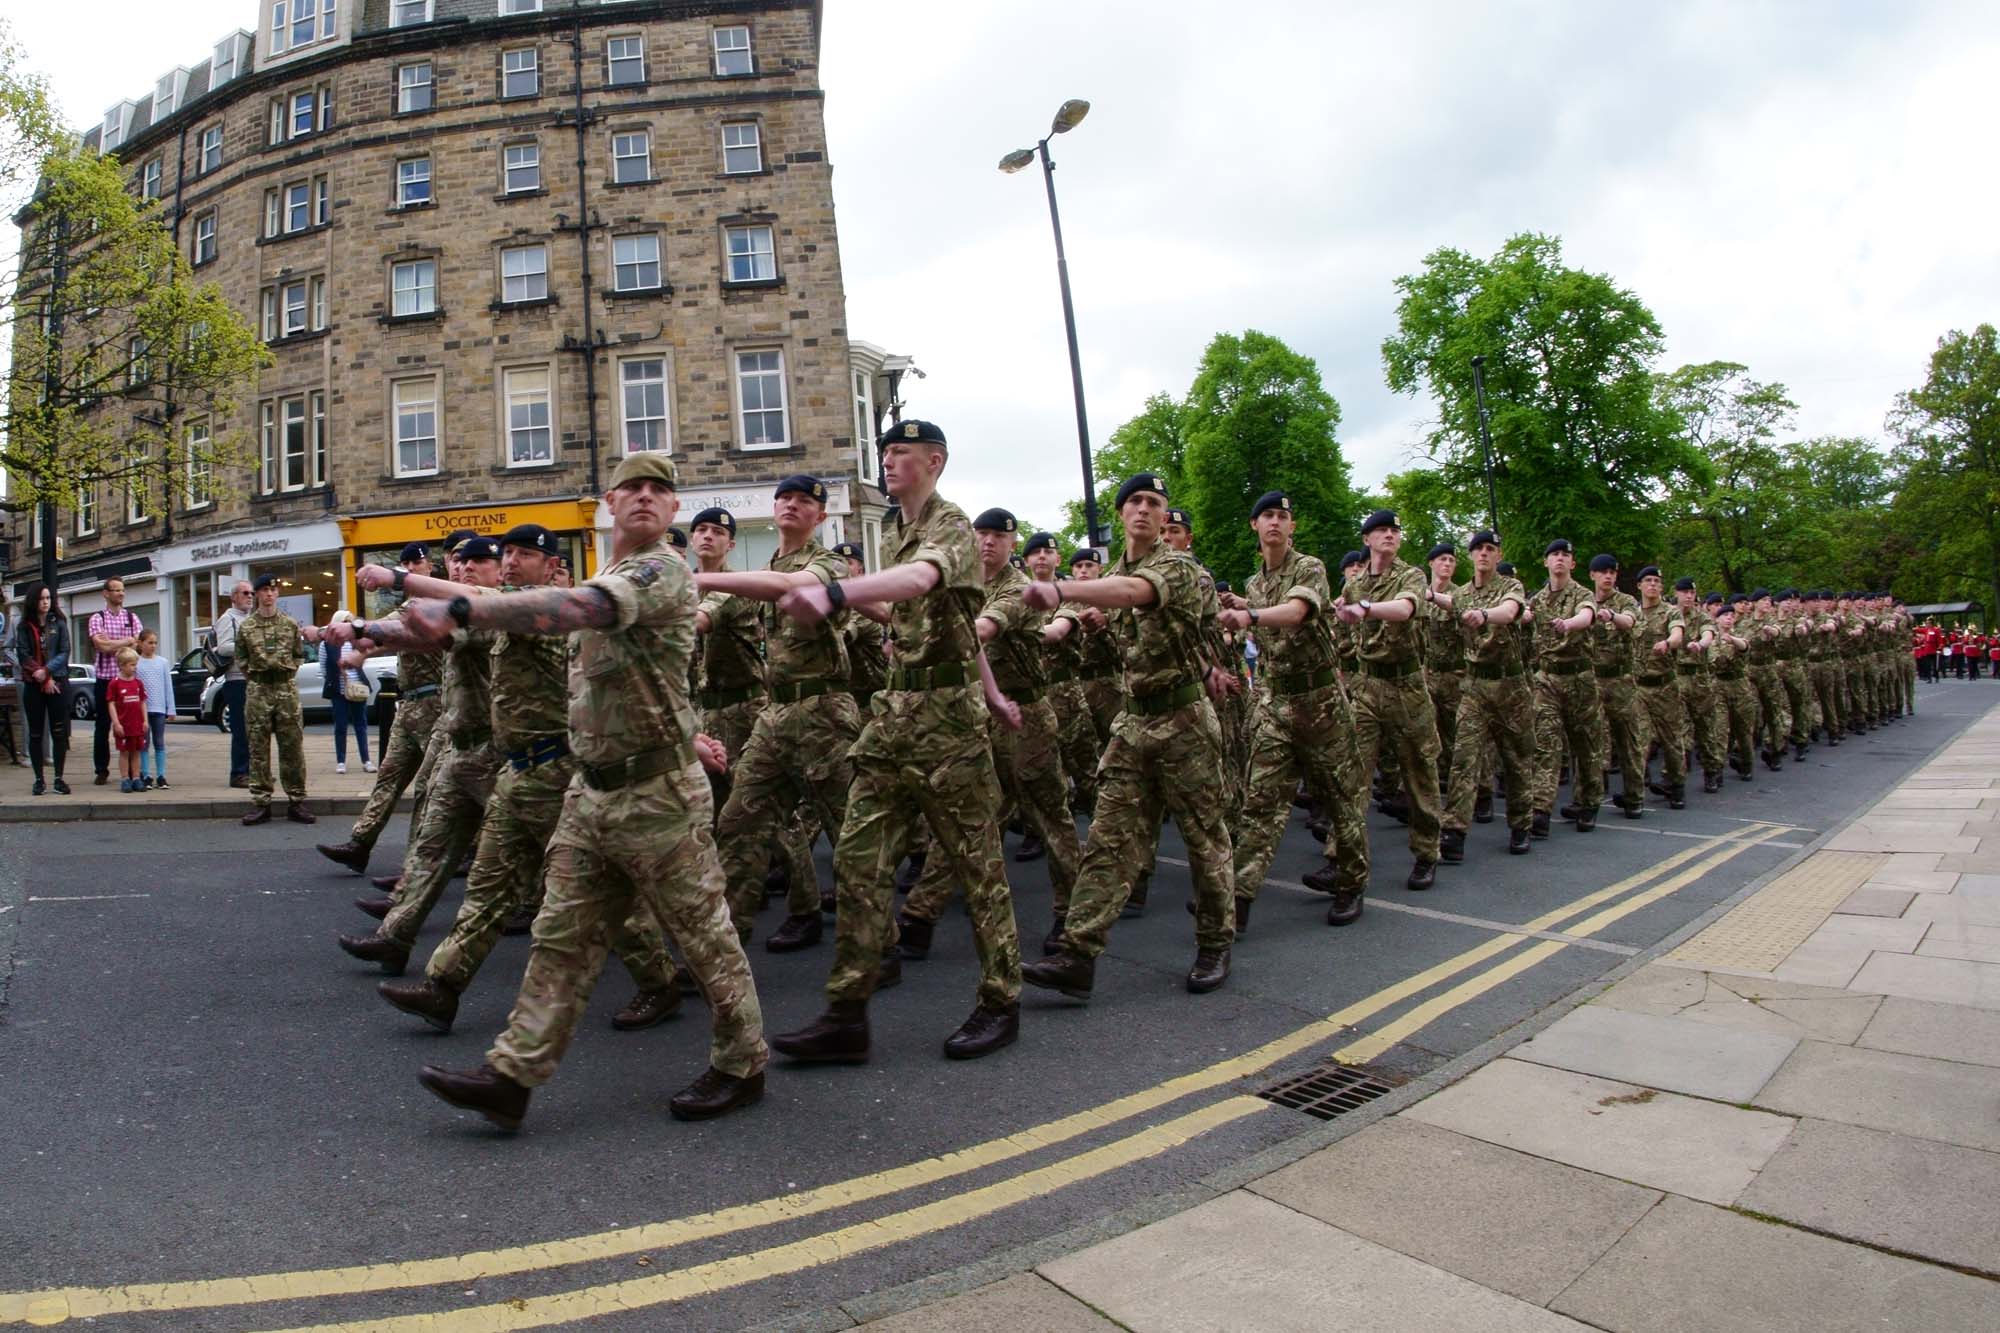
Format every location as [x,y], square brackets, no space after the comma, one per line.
[1734,516]
[30,127]
[1948,432]
[1582,447]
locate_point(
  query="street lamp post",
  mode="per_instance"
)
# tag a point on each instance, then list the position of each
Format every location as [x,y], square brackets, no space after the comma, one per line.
[1067,118]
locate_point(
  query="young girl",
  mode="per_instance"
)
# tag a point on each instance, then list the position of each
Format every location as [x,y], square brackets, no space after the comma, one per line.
[125,700]
[157,675]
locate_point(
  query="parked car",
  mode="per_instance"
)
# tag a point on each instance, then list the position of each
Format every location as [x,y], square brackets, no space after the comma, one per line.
[190,677]
[379,672]
[79,691]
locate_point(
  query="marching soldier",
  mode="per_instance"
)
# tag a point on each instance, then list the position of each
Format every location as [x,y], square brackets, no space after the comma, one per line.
[1496,707]
[1062,643]
[1733,690]
[269,646]
[1101,668]
[1611,643]
[1569,718]
[1662,636]
[1793,671]
[1444,655]
[1759,624]
[1698,686]
[867,662]
[1824,658]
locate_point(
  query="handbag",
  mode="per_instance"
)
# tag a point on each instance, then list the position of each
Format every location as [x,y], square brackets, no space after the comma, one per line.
[353,687]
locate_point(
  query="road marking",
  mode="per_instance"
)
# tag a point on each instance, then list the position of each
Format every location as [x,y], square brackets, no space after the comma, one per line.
[55,1305]
[1483,923]
[813,1251]
[91,898]
[1678,833]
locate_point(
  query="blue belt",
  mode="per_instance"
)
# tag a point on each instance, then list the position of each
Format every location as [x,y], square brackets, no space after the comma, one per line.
[545,750]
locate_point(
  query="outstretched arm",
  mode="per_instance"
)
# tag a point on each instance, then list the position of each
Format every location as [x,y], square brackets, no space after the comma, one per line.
[761,586]
[1112,592]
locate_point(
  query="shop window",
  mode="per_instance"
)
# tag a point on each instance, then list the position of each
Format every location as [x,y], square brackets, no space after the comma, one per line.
[308,588]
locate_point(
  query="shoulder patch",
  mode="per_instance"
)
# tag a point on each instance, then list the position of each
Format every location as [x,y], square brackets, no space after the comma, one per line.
[647,574]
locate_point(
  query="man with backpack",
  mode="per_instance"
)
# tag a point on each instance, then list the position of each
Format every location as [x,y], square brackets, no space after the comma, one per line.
[220,658]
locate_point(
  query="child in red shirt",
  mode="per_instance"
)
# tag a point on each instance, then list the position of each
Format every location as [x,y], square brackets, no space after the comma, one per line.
[125,698]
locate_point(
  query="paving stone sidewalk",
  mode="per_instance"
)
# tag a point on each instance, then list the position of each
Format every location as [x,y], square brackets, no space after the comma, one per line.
[1791,1121]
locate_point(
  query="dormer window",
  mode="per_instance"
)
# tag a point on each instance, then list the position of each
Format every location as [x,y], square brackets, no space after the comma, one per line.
[300,23]
[168,93]
[232,57]
[117,124]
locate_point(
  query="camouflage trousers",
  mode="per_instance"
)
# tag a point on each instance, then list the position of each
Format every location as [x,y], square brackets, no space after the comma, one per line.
[1106,696]
[273,711]
[1495,717]
[1305,737]
[1860,696]
[1032,781]
[790,844]
[402,762]
[1906,675]
[1704,717]
[1826,681]
[1736,701]
[1446,688]
[1774,712]
[1233,713]
[1625,733]
[958,795]
[1078,731]
[460,789]
[1800,705]
[643,851]
[1569,720]
[1666,722]
[796,758]
[1394,725]
[1162,761]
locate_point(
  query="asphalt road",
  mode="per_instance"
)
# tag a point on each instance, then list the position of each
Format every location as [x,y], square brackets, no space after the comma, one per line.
[197,1087]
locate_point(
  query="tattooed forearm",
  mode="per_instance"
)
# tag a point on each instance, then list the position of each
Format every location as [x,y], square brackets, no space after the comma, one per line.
[545,611]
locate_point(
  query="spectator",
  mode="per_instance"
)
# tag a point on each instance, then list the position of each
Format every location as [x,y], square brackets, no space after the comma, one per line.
[335,681]
[11,669]
[125,700]
[241,599]
[112,631]
[41,651]
[157,675]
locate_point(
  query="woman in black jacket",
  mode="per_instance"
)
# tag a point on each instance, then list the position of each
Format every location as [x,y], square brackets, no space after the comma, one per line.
[41,652]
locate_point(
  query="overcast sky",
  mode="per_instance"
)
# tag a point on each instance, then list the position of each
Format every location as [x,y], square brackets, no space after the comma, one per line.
[1807,188]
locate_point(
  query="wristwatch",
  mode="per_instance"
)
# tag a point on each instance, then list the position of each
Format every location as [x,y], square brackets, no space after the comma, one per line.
[459,608]
[1364,604]
[1253,615]
[836,595]
[401,575]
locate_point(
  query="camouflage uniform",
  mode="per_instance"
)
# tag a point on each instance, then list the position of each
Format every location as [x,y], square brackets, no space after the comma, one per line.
[635,835]
[1697,686]
[270,650]
[1569,717]
[1444,673]
[1736,700]
[1028,761]
[867,661]
[461,786]
[1496,708]
[1906,662]
[1076,726]
[1617,696]
[1824,657]
[797,752]
[419,677]
[1659,692]
[1392,706]
[924,756]
[1166,752]
[1774,718]
[1102,674]
[1795,676]
[1305,732]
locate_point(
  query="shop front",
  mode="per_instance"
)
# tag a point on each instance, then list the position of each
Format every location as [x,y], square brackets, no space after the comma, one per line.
[378,539]
[756,534]
[194,579]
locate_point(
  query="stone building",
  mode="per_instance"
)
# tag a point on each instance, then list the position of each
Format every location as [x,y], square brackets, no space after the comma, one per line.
[492,245]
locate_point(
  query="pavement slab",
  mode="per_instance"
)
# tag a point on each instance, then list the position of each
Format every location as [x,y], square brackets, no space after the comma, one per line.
[1661,1139]
[1950,907]
[1506,1220]
[1906,1094]
[1940,1031]
[1888,935]
[1024,1301]
[1949,980]
[1701,1059]
[1902,836]
[1825,960]
[1242,1261]
[1761,1277]
[1877,902]
[1913,1195]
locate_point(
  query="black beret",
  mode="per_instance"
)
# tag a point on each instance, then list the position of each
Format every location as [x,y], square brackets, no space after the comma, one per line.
[479,548]
[1180,516]
[1741,599]
[847,549]
[415,551]
[531,535]
[457,538]
[1651,572]
[1271,500]
[1442,548]
[1505,567]
[914,432]
[1381,518]
[1603,562]
[1038,541]
[800,483]
[677,539]
[1559,544]
[1789,595]
[716,515]
[1354,558]
[995,520]
[1017,562]
[1086,553]
[1141,484]
[1483,537]
[1683,585]
[1713,599]
[1758,595]
[1222,585]
[264,581]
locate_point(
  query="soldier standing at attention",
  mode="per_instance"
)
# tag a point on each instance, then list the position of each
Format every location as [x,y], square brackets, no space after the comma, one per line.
[1165,752]
[1569,717]
[1392,707]
[1662,632]
[1307,732]
[1028,760]
[1698,686]
[1611,655]
[418,681]
[1444,655]
[634,834]
[268,646]
[1496,708]
[1734,694]
[797,752]
[924,756]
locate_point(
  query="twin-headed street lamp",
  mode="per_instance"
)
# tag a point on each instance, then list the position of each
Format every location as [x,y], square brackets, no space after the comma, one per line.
[1068,117]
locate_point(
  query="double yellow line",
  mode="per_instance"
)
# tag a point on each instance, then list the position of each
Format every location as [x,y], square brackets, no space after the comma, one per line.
[1668,876]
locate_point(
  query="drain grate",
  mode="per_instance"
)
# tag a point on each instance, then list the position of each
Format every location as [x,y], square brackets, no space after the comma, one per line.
[1329,1091]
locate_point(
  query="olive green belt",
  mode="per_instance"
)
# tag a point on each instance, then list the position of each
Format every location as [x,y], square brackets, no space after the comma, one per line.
[1563,668]
[1025,696]
[1303,682]
[634,769]
[1614,671]
[1688,670]
[791,692]
[743,694]
[1655,682]
[1492,670]
[1098,673]
[1163,701]
[1729,673]
[1390,670]
[273,676]
[939,677]
[1061,675]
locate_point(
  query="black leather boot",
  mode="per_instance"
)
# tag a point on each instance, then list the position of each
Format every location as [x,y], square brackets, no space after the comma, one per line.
[985,1032]
[485,1090]
[839,1036]
[1068,972]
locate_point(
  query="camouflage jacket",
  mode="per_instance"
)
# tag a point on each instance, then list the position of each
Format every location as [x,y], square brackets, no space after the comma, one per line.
[1655,624]
[1308,646]
[1165,643]
[1389,643]
[732,652]
[1550,604]
[528,686]
[268,647]
[1609,645]
[628,682]
[1490,645]
[793,650]
[1015,653]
